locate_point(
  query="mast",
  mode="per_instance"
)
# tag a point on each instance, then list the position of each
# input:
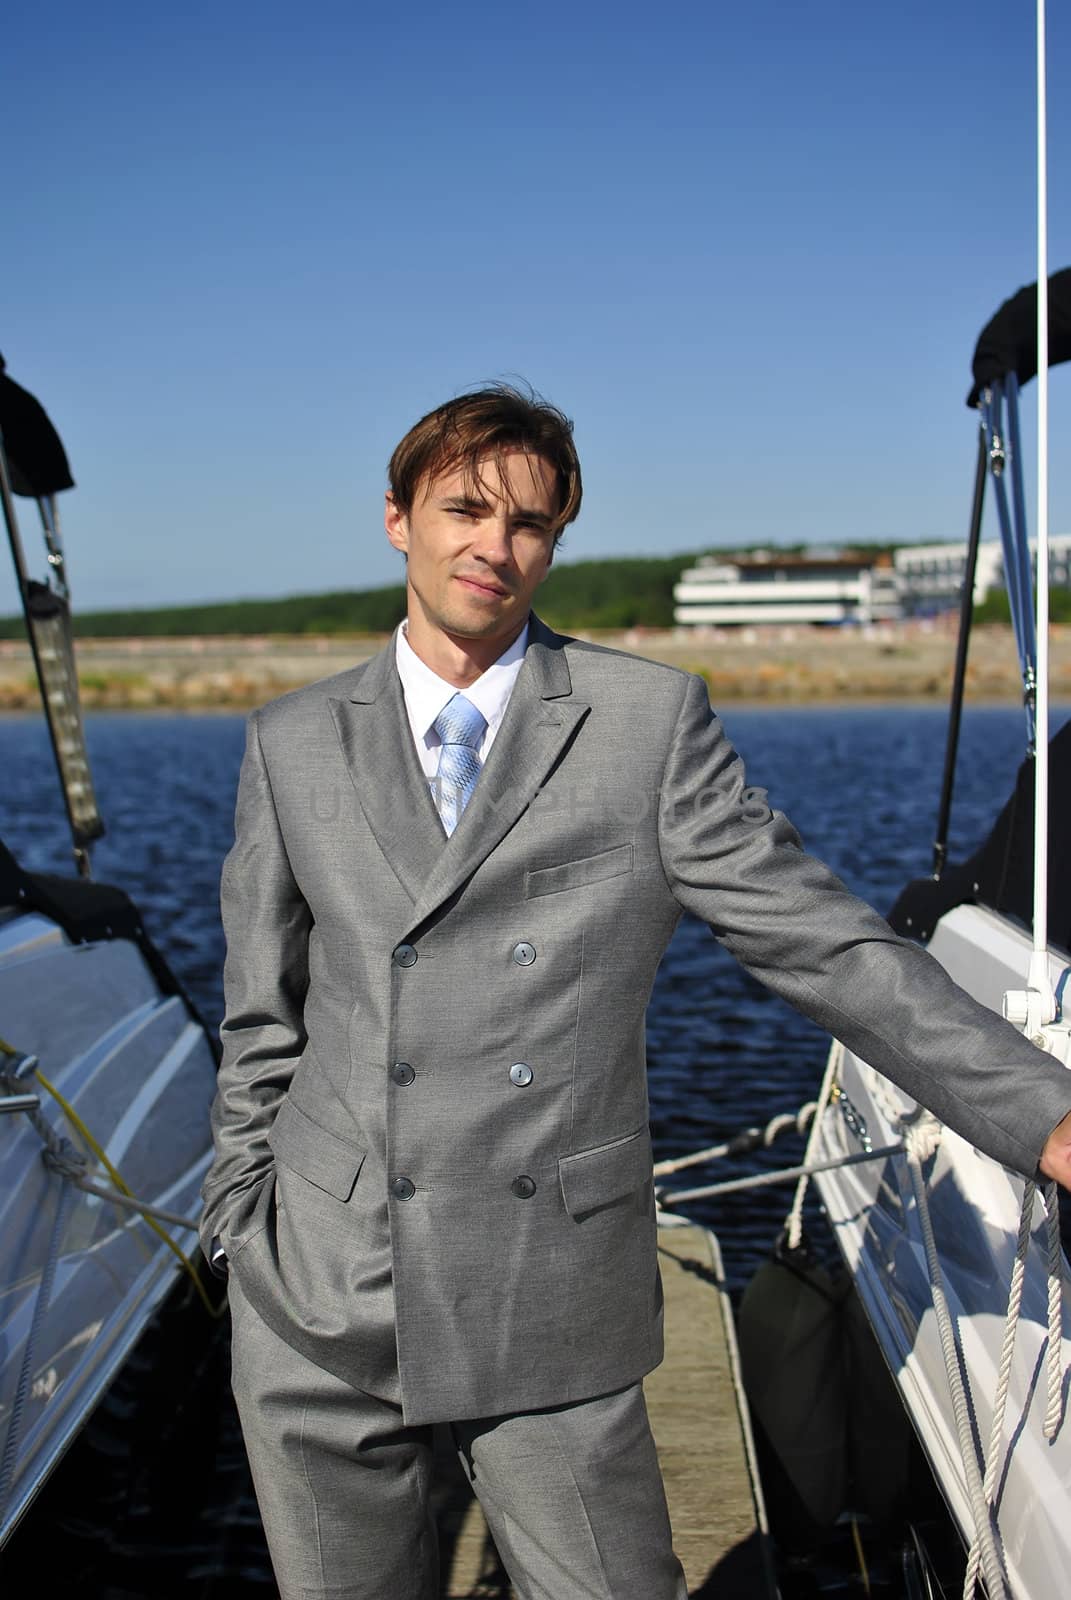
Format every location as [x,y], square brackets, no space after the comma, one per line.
[1039,964]
[1035,1007]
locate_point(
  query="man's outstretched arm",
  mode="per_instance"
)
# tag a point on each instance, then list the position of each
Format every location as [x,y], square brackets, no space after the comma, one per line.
[266,922]
[739,866]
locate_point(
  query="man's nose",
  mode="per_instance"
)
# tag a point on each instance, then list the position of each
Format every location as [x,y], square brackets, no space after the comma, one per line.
[493,541]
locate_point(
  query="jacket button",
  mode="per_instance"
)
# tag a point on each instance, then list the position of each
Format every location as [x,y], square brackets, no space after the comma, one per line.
[523,1187]
[524,953]
[404,956]
[402,1188]
[402,1073]
[520,1074]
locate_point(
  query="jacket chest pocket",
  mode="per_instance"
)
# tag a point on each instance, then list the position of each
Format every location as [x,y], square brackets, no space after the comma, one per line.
[577,874]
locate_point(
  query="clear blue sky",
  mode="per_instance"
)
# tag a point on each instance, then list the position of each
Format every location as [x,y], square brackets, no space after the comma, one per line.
[747,247]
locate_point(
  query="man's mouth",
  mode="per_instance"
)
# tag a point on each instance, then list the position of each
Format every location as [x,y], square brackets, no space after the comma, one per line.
[479,587]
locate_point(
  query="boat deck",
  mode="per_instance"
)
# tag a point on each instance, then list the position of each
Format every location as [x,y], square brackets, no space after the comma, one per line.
[695,1404]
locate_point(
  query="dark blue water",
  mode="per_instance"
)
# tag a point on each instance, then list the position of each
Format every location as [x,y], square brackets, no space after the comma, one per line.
[861,784]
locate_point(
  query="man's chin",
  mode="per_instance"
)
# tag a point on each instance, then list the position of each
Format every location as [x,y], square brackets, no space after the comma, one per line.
[482,620]
[480,625]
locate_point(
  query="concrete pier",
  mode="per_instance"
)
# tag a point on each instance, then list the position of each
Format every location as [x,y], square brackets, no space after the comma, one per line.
[701,1429]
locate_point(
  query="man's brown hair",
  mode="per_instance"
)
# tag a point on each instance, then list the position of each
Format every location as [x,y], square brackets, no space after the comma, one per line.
[482,425]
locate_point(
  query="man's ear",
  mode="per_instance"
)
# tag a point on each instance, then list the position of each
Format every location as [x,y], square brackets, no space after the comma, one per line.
[397,525]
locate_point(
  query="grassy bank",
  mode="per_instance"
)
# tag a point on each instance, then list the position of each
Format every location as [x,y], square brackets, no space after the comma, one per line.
[790,666]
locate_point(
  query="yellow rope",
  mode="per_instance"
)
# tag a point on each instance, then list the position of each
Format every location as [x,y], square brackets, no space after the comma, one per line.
[860,1557]
[120,1183]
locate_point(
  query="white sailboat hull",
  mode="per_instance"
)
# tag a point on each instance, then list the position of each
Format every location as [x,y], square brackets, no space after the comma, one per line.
[975,1207]
[140,1072]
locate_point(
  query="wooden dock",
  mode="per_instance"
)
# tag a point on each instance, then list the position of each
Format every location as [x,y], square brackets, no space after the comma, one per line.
[703,1438]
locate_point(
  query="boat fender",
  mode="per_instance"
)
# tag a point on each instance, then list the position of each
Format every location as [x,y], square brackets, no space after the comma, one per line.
[883,1457]
[791,1358]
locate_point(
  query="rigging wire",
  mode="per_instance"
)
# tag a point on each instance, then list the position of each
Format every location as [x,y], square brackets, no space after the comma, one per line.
[1039,966]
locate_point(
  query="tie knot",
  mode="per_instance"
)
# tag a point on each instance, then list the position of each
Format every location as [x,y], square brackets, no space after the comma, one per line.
[460,722]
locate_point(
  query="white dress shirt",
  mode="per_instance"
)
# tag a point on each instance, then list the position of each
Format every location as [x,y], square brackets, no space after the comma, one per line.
[426,694]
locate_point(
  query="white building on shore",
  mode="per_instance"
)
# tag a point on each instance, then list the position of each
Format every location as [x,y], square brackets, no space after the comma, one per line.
[769,587]
[765,587]
[930,576]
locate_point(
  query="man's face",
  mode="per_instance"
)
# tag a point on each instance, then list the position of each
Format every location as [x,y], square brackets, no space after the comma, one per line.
[476,552]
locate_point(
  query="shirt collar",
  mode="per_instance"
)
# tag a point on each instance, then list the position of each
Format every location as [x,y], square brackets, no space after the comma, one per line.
[426,693]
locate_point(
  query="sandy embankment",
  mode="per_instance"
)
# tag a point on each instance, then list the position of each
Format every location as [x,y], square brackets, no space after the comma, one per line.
[795,665]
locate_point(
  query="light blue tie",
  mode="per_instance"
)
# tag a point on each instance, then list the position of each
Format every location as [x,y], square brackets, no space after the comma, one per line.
[460,726]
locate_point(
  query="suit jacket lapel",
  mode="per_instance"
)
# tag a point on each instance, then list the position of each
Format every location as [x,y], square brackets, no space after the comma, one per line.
[377,744]
[540,720]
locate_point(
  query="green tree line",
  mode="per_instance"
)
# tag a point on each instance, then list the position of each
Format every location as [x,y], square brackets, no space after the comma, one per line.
[622,593]
[995,607]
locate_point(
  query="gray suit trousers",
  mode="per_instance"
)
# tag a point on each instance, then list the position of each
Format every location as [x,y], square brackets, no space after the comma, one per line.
[572,1495]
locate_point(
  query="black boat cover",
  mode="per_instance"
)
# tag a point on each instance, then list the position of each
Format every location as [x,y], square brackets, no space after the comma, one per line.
[1001,873]
[87,912]
[35,455]
[1009,341]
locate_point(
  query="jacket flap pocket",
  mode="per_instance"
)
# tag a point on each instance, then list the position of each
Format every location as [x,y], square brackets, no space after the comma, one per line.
[317,1153]
[594,1178]
[575,874]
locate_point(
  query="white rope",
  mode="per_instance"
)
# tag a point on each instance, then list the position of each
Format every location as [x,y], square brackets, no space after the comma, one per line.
[1000,1399]
[1055,1385]
[765,1180]
[1015,1300]
[743,1143]
[915,1138]
[794,1220]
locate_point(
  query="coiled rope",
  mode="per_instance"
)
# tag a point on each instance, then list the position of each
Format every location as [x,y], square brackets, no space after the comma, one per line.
[1054,1383]
[921,1138]
[1054,1409]
[794,1220]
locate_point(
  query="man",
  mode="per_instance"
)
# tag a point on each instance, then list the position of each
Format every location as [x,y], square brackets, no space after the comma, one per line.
[456,869]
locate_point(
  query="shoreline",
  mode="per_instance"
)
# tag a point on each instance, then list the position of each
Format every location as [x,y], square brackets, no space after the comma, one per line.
[908,663]
[722,708]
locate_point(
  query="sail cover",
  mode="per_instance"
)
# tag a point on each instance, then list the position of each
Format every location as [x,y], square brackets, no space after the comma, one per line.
[1009,341]
[35,455]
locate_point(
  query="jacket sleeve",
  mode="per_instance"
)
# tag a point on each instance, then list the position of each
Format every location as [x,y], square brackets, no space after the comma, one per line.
[266,922]
[740,867]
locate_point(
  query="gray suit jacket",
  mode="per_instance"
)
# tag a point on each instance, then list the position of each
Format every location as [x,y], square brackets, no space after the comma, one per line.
[382,981]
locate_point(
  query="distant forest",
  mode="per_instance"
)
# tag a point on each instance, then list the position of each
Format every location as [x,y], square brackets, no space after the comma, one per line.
[995,607]
[623,593]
